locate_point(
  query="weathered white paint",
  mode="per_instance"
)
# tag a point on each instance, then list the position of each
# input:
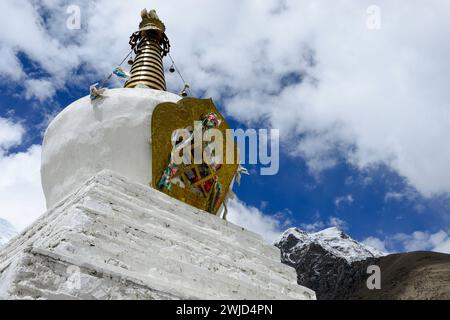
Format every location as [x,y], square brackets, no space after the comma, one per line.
[116,239]
[110,133]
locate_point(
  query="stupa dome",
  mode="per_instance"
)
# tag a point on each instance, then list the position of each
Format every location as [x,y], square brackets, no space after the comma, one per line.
[108,133]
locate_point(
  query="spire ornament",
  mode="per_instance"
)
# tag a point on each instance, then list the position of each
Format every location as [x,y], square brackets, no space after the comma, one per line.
[150,44]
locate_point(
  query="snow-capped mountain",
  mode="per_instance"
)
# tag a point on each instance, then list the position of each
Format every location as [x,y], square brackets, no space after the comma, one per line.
[330,262]
[332,240]
[7,231]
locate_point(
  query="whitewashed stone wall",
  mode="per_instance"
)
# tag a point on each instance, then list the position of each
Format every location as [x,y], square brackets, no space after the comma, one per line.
[116,239]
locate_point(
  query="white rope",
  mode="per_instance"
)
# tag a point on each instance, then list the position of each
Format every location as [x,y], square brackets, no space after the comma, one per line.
[185,84]
[111,74]
[177,70]
[240,171]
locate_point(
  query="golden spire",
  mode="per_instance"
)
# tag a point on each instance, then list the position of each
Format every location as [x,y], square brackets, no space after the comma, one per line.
[150,45]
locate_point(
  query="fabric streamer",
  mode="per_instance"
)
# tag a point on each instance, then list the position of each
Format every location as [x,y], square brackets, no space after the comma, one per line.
[210,121]
[215,195]
[230,194]
[121,73]
[96,92]
[241,170]
[165,182]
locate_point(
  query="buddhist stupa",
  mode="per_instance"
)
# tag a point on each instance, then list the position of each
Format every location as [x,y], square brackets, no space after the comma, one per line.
[129,131]
[124,220]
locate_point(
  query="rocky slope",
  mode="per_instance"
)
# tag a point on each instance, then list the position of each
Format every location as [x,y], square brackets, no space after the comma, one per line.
[335,266]
[7,231]
[412,275]
[333,240]
[324,260]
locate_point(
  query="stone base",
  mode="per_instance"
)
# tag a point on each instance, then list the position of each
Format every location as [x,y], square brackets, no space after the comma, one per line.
[115,239]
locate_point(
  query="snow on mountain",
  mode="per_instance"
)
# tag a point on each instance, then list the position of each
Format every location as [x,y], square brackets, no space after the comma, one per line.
[7,231]
[332,240]
[329,262]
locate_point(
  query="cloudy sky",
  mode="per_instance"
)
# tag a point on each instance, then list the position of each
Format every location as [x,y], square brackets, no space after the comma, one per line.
[360,91]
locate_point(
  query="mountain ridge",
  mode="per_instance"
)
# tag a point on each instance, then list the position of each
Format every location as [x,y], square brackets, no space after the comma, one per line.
[333,240]
[335,266]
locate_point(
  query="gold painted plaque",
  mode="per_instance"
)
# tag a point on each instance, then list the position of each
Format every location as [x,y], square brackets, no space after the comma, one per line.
[168,117]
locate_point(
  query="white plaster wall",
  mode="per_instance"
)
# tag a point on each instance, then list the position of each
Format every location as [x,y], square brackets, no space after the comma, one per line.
[129,241]
[110,133]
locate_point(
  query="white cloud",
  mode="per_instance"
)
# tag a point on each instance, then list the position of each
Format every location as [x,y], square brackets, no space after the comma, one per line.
[21,197]
[405,194]
[375,243]
[338,223]
[10,68]
[420,240]
[416,241]
[313,227]
[10,134]
[344,199]
[393,196]
[375,96]
[251,218]
[40,89]
[318,224]
[442,246]
[22,30]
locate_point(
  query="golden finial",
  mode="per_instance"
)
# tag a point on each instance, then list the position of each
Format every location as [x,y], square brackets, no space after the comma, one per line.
[151,21]
[150,44]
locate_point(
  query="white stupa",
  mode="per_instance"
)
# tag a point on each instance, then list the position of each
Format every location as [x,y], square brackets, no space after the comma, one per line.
[107,233]
[113,132]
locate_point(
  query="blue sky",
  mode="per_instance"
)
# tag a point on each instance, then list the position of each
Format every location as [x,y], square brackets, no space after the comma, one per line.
[293,195]
[361,143]
[367,202]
